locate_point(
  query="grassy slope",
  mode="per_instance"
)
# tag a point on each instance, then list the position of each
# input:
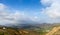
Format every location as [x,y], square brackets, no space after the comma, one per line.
[17,32]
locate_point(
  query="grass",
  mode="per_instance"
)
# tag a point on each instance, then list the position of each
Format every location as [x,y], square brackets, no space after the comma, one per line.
[1,33]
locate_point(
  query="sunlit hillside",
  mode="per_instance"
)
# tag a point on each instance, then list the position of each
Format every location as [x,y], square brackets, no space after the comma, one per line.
[29,29]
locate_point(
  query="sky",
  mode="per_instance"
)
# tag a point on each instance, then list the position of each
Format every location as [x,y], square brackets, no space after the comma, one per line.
[29,11]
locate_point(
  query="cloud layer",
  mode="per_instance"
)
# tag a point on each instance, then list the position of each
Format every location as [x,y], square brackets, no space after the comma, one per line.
[8,17]
[52,8]
[51,13]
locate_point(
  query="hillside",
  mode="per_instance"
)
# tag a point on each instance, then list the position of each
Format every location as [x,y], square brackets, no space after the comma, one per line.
[12,31]
[27,29]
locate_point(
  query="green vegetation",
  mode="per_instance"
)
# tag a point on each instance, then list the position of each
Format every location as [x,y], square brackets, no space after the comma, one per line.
[41,29]
[1,33]
[12,31]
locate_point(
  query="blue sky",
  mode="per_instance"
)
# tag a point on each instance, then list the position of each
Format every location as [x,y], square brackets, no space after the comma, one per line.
[23,4]
[29,6]
[40,11]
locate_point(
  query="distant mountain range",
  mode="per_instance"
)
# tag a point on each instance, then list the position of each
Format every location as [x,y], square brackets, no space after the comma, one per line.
[41,28]
[33,26]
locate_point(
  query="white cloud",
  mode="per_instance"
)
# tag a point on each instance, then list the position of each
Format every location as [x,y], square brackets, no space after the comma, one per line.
[34,18]
[52,9]
[2,6]
[7,17]
[46,2]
